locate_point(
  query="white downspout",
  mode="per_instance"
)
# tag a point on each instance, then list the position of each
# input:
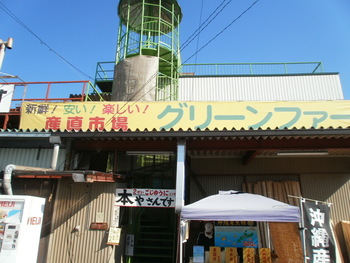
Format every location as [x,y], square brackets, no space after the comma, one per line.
[55,153]
[11,167]
[7,178]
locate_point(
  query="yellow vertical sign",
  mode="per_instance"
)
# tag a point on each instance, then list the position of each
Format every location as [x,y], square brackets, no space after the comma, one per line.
[215,255]
[248,255]
[265,255]
[231,255]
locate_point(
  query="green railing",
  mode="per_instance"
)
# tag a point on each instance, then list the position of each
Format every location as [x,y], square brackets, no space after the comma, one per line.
[91,89]
[237,69]
[105,70]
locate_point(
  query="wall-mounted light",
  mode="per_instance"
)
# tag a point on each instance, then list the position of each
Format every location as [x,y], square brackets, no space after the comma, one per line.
[302,153]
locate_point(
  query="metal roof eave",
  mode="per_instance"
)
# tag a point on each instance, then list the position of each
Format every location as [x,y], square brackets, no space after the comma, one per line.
[206,133]
[24,134]
[177,133]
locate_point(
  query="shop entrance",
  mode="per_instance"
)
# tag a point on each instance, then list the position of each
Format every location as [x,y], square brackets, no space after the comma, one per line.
[154,228]
[154,235]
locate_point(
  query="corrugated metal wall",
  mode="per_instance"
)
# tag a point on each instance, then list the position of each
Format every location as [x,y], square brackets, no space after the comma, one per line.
[76,204]
[261,88]
[324,179]
[213,184]
[297,165]
[335,189]
[30,157]
[332,175]
[332,188]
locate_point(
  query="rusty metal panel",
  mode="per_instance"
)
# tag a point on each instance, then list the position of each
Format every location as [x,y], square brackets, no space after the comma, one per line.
[261,88]
[76,207]
[30,157]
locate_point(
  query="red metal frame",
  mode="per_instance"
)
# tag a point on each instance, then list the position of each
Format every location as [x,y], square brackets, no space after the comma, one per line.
[16,111]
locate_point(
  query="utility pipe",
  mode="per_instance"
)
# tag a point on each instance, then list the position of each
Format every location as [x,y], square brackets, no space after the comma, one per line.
[56,150]
[12,167]
[7,178]
[3,46]
[180,176]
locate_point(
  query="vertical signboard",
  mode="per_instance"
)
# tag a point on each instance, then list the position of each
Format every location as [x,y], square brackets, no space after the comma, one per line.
[320,246]
[248,255]
[231,255]
[215,255]
[130,243]
[6,94]
[265,255]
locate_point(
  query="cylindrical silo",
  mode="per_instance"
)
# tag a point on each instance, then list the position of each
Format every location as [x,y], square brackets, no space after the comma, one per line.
[147,57]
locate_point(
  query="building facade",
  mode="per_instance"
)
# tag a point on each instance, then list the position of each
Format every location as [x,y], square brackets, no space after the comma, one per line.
[116,164]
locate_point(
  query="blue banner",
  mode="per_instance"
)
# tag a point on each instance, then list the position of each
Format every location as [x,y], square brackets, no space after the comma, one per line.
[236,235]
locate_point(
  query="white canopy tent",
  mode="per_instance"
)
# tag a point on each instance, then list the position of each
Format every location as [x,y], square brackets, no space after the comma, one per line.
[239,206]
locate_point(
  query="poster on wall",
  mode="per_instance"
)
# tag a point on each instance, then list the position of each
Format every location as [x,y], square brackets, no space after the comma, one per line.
[114,234]
[320,246]
[236,234]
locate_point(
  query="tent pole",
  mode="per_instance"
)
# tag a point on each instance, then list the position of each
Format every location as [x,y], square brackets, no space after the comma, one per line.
[181,248]
[302,229]
[268,235]
[180,241]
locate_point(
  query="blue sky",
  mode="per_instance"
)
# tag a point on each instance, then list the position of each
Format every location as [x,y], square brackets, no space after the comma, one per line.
[84,32]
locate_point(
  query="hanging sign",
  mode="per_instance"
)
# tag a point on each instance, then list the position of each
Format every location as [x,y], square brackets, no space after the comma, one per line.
[130,244]
[6,94]
[320,244]
[145,197]
[114,236]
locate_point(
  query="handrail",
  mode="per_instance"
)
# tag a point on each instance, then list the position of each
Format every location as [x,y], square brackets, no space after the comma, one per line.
[228,69]
[52,90]
[235,69]
[95,91]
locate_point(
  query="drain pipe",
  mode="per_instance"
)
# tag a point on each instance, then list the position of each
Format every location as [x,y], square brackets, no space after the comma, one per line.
[56,140]
[11,167]
[56,150]
[7,178]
